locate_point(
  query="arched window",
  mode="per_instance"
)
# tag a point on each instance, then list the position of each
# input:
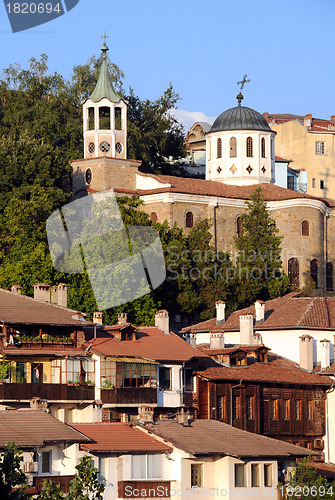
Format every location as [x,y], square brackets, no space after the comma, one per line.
[238,226]
[263,147]
[329,277]
[189,219]
[219,148]
[305,228]
[314,272]
[293,271]
[233,147]
[104,118]
[249,147]
[153,217]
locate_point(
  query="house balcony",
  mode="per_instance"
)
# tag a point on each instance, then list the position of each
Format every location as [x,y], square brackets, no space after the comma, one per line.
[146,489]
[50,392]
[64,482]
[129,395]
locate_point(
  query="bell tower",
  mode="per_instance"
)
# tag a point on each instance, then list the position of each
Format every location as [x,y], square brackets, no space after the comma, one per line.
[105,164]
[105,118]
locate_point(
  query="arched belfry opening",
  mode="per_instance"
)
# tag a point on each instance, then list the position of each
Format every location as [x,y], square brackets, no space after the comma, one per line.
[105,118]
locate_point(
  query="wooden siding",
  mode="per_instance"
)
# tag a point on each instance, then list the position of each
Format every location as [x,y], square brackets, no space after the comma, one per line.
[51,392]
[131,395]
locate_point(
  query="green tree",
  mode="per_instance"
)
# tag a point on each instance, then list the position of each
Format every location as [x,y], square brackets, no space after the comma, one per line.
[50,491]
[259,266]
[307,484]
[12,478]
[85,484]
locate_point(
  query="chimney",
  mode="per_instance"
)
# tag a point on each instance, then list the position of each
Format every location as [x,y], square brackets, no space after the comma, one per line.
[183,416]
[80,338]
[266,116]
[260,310]
[332,119]
[246,329]
[146,413]
[325,353]
[54,294]
[39,404]
[97,318]
[62,295]
[191,338]
[42,292]
[306,352]
[216,340]
[16,289]
[220,312]
[121,318]
[162,321]
[308,120]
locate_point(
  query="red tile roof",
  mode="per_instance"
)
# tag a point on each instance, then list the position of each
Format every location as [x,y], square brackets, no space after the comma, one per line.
[288,311]
[115,437]
[42,351]
[281,159]
[209,437]
[277,370]
[35,429]
[19,309]
[317,124]
[150,343]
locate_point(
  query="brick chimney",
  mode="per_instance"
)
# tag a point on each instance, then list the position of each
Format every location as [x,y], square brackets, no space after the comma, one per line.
[266,116]
[183,416]
[220,306]
[59,294]
[216,340]
[39,404]
[260,310]
[42,292]
[306,352]
[332,119]
[308,120]
[162,321]
[246,329]
[121,318]
[16,289]
[146,413]
[325,353]
[97,317]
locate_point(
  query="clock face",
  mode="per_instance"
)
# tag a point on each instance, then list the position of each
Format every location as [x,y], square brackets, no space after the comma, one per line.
[104,146]
[88,176]
[91,147]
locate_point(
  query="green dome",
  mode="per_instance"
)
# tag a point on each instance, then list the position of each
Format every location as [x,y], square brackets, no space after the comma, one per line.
[240,118]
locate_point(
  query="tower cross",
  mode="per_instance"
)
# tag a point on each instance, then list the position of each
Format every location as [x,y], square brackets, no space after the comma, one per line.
[105,36]
[243,82]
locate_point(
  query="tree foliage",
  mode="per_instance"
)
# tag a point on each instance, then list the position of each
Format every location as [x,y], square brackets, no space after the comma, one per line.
[12,478]
[307,484]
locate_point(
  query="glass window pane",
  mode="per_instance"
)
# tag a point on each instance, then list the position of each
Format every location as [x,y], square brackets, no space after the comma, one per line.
[46,462]
[154,467]
[239,475]
[254,475]
[138,467]
[267,475]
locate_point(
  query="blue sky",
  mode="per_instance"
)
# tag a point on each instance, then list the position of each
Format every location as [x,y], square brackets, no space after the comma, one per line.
[202,47]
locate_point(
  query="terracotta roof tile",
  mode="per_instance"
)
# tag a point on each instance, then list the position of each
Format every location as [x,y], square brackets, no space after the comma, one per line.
[151,343]
[20,309]
[207,437]
[30,428]
[115,437]
[277,370]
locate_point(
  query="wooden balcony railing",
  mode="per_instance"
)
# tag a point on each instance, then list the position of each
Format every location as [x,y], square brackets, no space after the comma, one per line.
[64,482]
[51,392]
[144,489]
[129,395]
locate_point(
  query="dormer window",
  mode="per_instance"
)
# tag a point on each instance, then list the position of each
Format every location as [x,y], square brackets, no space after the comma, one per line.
[249,147]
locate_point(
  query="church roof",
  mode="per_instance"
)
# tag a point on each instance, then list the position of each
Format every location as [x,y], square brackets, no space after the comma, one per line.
[240,118]
[104,86]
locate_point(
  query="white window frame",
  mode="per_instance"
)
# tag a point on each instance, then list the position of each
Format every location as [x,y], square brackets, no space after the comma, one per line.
[50,463]
[148,471]
[320,147]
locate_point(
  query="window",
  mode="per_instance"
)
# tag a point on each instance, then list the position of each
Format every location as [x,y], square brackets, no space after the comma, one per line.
[20,372]
[297,409]
[118,124]
[272,149]
[88,176]
[189,219]
[153,217]
[291,182]
[37,373]
[322,184]
[313,182]
[236,407]
[129,375]
[209,149]
[188,380]
[305,228]
[238,226]
[249,147]
[250,407]
[46,462]
[268,475]
[274,409]
[91,125]
[310,410]
[254,475]
[164,377]
[286,409]
[233,147]
[118,147]
[221,407]
[219,148]
[146,466]
[329,277]
[320,148]
[104,118]
[293,272]
[263,147]
[196,475]
[314,271]
[239,475]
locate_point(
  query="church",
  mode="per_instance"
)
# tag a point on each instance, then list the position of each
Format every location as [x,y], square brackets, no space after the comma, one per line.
[240,155]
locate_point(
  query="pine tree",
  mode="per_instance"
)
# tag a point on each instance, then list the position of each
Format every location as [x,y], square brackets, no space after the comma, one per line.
[259,265]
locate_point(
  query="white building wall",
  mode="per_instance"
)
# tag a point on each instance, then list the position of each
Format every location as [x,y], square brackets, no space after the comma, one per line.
[172,398]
